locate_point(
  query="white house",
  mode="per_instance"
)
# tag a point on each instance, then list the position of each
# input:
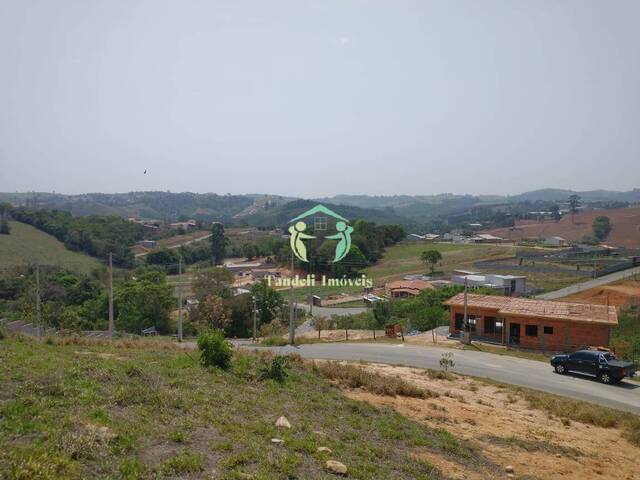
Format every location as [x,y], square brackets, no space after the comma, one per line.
[505,284]
[555,242]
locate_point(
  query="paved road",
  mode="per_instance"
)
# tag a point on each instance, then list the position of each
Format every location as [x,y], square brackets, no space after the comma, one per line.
[331,311]
[516,371]
[596,282]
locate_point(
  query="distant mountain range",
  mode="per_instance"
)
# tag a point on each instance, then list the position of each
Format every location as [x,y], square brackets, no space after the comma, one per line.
[267,210]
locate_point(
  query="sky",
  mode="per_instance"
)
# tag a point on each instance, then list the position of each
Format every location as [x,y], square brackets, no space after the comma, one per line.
[317,98]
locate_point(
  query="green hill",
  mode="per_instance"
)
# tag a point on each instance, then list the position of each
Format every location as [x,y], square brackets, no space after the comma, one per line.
[27,245]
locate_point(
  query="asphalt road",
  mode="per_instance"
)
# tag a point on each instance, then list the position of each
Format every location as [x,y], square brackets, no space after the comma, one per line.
[516,371]
[596,282]
[331,311]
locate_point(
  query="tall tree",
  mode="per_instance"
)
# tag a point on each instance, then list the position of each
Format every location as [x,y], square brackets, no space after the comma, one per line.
[268,301]
[574,202]
[601,228]
[218,243]
[431,257]
[213,313]
[216,281]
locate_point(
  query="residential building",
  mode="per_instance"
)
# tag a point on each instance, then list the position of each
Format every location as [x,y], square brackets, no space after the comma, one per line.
[406,288]
[531,323]
[503,284]
[555,242]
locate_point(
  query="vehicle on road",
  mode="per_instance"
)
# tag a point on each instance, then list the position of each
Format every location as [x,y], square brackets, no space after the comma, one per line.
[602,365]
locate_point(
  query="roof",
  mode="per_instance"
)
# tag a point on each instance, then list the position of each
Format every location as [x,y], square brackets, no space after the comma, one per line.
[575,312]
[409,285]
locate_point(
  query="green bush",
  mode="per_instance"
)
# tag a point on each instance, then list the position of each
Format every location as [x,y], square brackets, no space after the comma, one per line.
[277,369]
[215,351]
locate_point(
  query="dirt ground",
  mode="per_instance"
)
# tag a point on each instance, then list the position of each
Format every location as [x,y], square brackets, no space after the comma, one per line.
[337,335]
[508,432]
[625,227]
[618,294]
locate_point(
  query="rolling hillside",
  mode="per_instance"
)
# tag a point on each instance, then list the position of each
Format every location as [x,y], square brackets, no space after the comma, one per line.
[625,231]
[27,245]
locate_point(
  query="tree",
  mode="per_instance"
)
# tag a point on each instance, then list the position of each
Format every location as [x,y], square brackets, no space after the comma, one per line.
[574,202]
[601,228]
[268,301]
[431,257]
[165,258]
[215,280]
[143,303]
[5,228]
[382,313]
[320,323]
[346,322]
[212,313]
[218,243]
[250,250]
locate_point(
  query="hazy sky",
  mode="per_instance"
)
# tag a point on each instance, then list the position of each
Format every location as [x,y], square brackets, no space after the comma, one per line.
[311,98]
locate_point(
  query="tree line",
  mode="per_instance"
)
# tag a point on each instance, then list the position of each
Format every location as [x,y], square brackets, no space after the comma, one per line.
[95,235]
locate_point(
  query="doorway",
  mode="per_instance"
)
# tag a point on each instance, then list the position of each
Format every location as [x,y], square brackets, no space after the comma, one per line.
[514,333]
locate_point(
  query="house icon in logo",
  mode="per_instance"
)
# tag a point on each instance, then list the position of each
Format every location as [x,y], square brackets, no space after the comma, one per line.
[320,217]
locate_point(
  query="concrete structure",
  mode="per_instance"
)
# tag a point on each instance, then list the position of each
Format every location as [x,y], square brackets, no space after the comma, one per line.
[555,242]
[533,324]
[503,284]
[406,288]
[148,243]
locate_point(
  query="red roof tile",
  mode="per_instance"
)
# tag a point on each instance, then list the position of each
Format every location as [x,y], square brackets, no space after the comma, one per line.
[576,312]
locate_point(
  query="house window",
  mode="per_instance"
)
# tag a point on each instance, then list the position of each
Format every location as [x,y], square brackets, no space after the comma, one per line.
[320,223]
[531,330]
[548,330]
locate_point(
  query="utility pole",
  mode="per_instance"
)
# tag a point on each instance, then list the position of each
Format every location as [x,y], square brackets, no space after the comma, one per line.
[255,319]
[291,310]
[466,335]
[38,316]
[180,299]
[111,324]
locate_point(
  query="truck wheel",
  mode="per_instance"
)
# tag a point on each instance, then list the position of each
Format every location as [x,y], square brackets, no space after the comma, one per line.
[561,369]
[606,378]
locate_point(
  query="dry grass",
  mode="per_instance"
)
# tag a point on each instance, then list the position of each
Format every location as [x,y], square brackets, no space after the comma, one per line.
[129,343]
[351,376]
[568,410]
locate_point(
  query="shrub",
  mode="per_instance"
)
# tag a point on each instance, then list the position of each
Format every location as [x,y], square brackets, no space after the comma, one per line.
[276,370]
[446,361]
[215,351]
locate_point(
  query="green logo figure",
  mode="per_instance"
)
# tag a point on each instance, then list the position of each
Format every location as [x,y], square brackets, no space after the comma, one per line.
[297,235]
[297,232]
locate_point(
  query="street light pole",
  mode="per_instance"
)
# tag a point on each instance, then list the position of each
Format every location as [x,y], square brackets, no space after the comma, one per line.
[255,319]
[111,322]
[291,328]
[180,300]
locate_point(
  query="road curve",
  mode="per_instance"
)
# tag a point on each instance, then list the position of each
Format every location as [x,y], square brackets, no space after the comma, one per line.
[517,371]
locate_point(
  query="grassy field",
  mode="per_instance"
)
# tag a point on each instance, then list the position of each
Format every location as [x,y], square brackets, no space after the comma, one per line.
[404,258]
[87,410]
[27,245]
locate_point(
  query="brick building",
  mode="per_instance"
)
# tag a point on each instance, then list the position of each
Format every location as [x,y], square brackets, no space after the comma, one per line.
[534,324]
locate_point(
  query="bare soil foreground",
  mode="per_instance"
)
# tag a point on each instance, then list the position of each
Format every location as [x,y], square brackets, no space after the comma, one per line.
[620,294]
[507,430]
